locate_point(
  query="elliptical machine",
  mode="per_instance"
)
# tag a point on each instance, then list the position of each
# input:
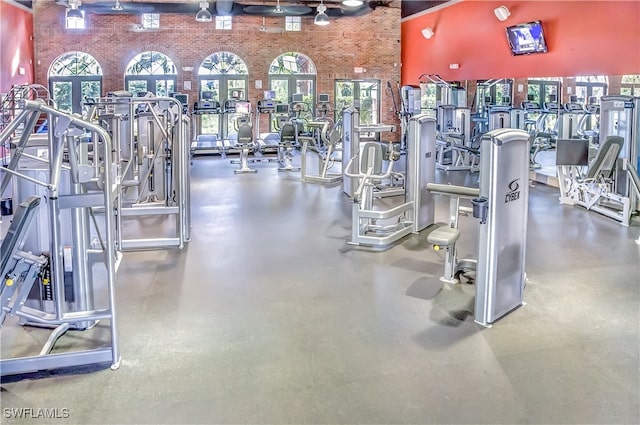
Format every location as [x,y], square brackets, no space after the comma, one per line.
[245,142]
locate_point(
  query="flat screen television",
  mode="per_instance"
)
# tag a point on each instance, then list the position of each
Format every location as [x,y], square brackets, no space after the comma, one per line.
[527,38]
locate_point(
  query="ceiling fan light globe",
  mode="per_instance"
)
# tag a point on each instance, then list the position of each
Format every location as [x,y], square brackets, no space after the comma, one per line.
[204,15]
[352,3]
[321,19]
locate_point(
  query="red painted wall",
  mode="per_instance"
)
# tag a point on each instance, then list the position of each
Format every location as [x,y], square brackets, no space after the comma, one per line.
[16,46]
[584,38]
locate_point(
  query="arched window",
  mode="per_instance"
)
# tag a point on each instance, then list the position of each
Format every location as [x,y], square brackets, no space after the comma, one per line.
[630,85]
[294,73]
[74,76]
[222,76]
[590,86]
[151,72]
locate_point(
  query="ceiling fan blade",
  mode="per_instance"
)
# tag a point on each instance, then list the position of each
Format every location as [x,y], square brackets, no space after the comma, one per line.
[272,11]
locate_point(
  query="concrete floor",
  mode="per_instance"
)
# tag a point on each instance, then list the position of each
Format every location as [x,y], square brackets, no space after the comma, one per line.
[268,317]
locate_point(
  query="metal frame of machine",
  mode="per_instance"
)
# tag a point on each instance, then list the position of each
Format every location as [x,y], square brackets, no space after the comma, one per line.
[608,184]
[77,179]
[324,148]
[151,137]
[379,228]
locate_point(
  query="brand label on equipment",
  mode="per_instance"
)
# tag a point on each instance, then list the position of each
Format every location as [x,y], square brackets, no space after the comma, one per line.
[514,191]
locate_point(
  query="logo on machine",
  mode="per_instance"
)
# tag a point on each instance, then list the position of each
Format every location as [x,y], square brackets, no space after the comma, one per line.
[514,191]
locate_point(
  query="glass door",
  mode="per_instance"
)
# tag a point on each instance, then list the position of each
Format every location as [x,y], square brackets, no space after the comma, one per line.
[236,89]
[62,95]
[210,91]
[285,86]
[363,93]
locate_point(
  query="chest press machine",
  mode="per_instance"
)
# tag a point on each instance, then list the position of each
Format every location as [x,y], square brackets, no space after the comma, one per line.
[379,228]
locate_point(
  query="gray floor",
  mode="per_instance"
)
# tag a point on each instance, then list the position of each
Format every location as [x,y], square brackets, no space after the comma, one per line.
[267,317]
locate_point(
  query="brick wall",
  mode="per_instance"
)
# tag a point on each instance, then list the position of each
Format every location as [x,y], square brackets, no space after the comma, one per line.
[371,42]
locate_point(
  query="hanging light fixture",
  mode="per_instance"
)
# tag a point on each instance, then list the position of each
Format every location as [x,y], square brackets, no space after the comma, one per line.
[321,18]
[352,3]
[203,14]
[117,6]
[73,12]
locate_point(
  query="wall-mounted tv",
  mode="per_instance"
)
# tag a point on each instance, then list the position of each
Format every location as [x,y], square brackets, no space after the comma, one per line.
[527,38]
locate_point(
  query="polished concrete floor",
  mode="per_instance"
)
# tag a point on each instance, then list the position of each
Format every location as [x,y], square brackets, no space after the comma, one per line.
[269,317]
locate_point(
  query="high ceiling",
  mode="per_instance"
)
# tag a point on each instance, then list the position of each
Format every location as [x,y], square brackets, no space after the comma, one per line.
[412,7]
[335,8]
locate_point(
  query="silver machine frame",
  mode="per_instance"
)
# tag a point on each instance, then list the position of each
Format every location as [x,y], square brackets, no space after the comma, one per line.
[328,145]
[503,211]
[76,179]
[151,137]
[446,236]
[351,130]
[499,117]
[569,119]
[501,204]
[454,138]
[380,228]
[613,196]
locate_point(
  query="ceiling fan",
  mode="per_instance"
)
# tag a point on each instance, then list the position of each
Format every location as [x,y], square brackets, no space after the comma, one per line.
[278,10]
[265,28]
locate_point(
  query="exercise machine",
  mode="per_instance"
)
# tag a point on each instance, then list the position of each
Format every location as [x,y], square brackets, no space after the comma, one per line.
[377,227]
[297,107]
[206,126]
[245,143]
[324,110]
[410,104]
[607,183]
[266,142]
[589,124]
[325,143]
[445,237]
[60,253]
[285,147]
[569,119]
[391,185]
[227,119]
[544,130]
[455,151]
[151,137]
[502,208]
